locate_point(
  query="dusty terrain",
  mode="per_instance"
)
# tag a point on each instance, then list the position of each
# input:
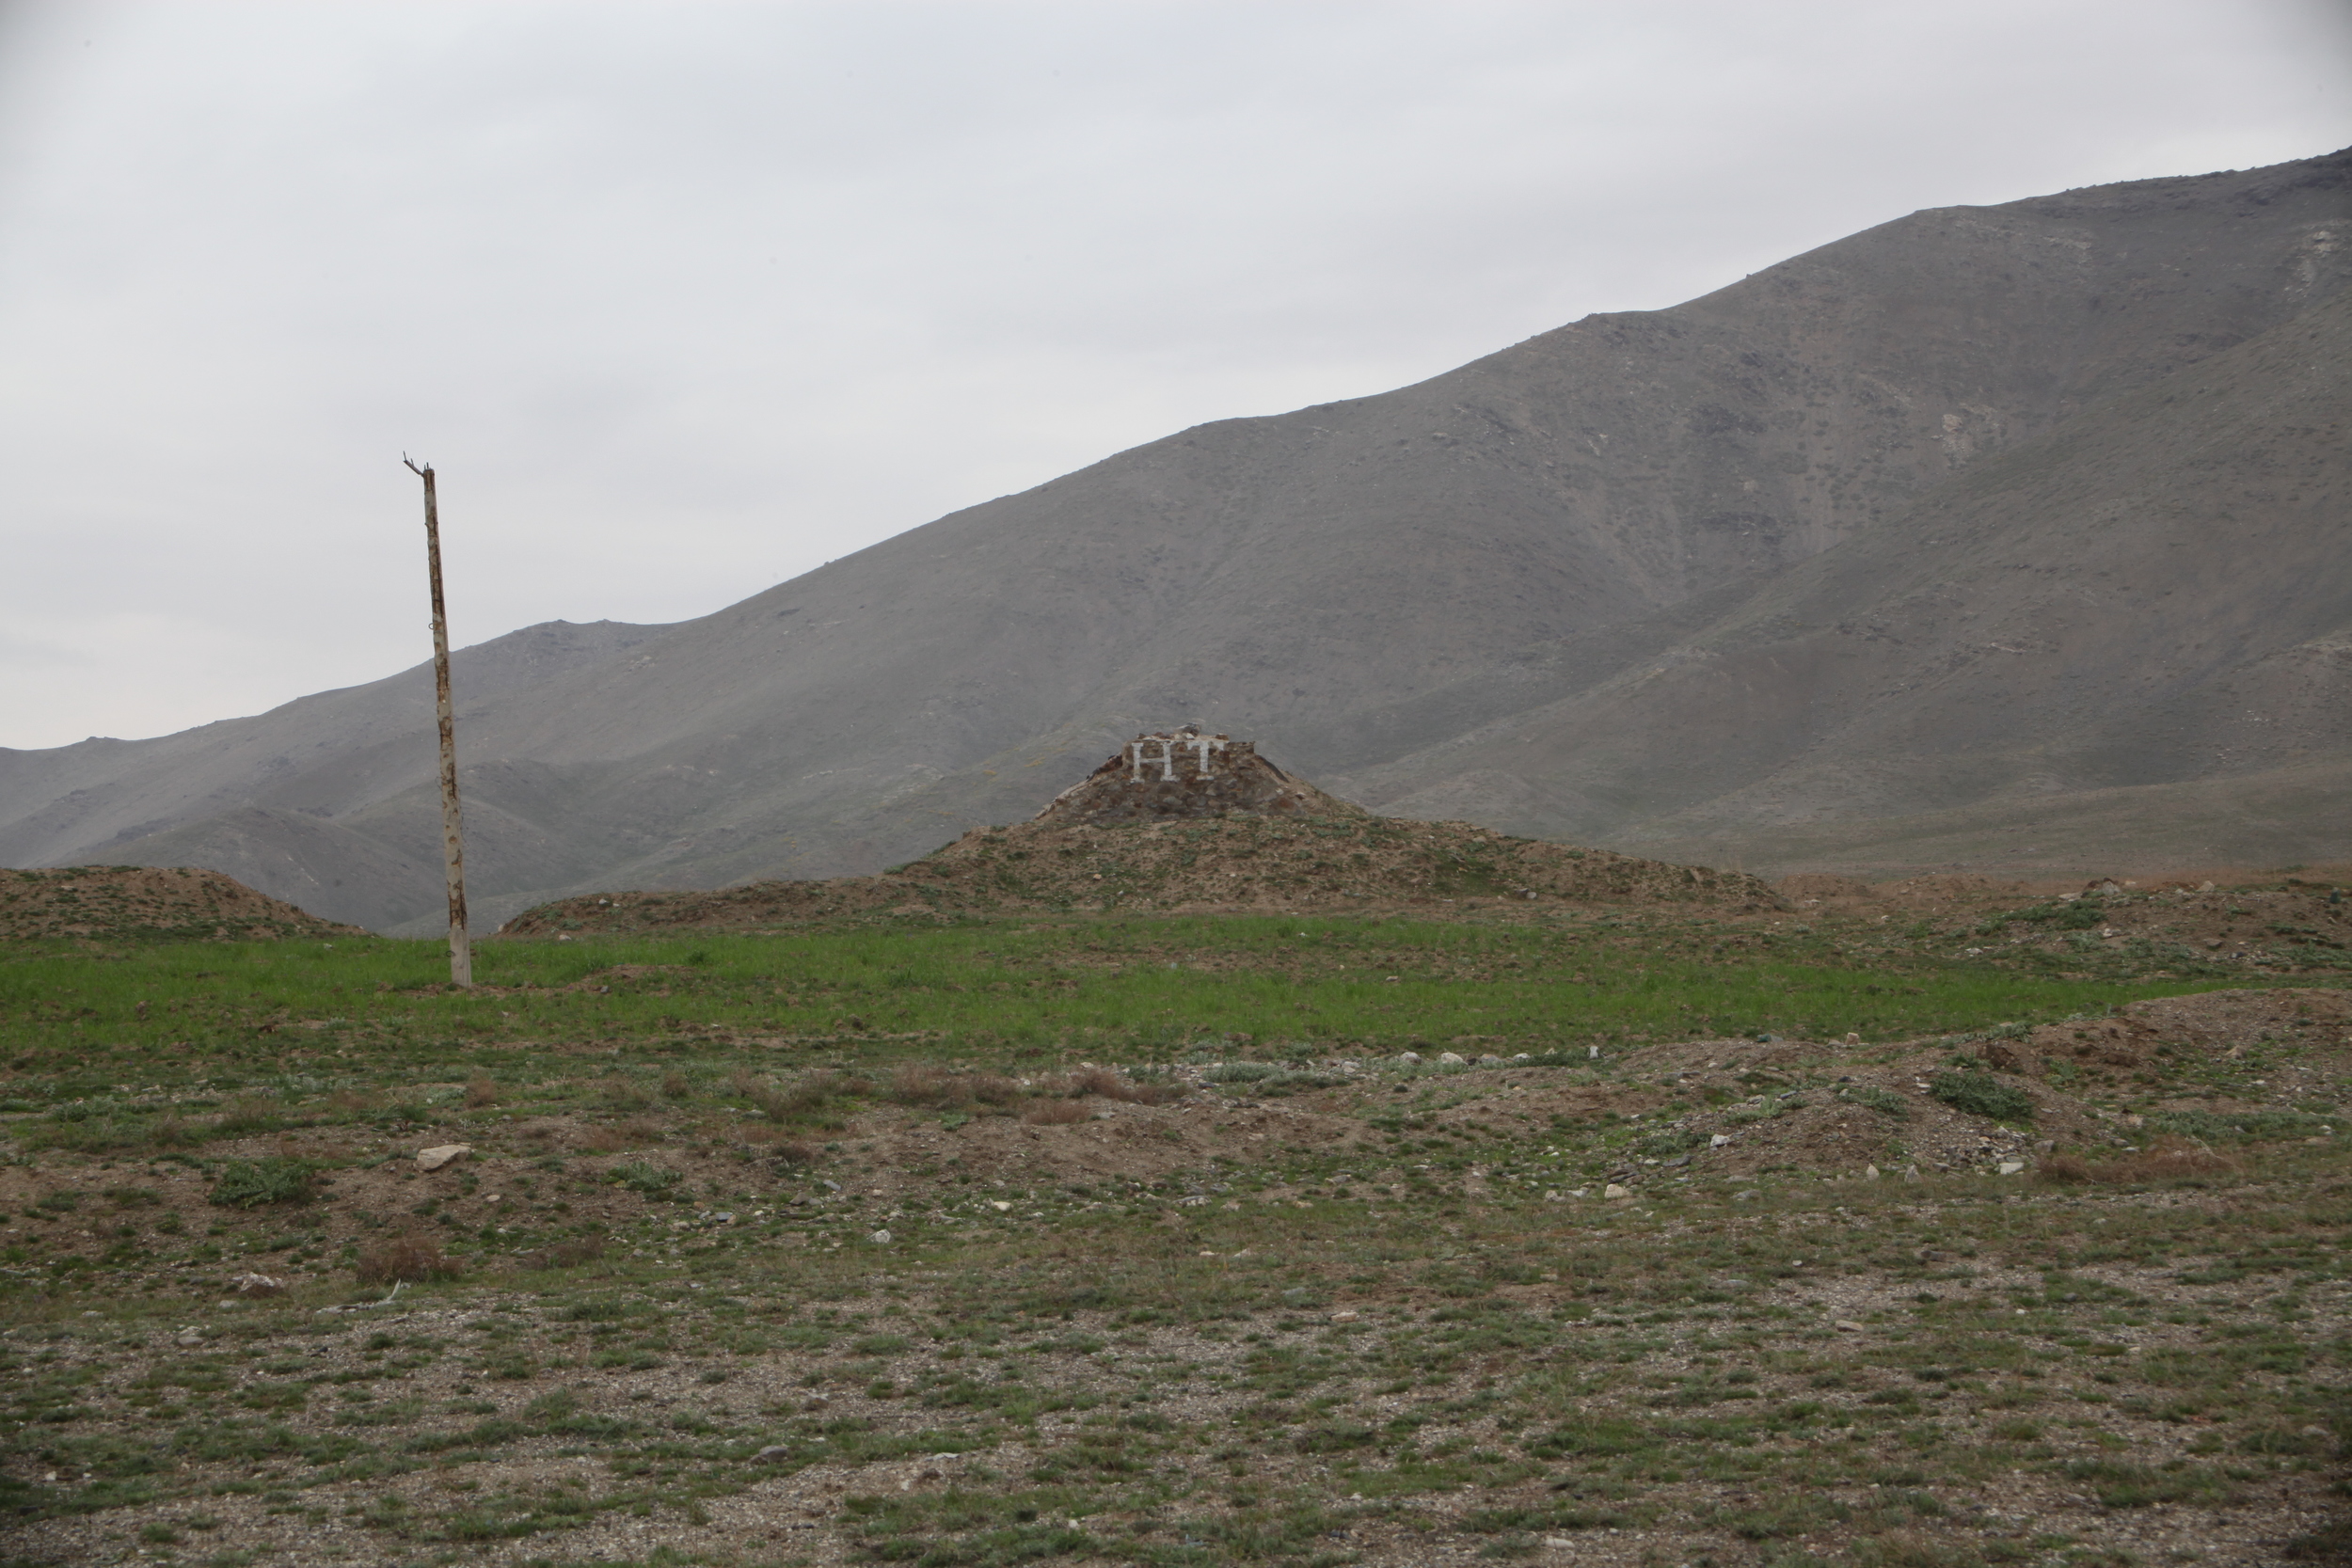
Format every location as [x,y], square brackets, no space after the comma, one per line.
[1379,1311]
[154,903]
[1221,864]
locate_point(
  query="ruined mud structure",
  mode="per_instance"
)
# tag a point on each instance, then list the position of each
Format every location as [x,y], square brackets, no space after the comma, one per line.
[1182,774]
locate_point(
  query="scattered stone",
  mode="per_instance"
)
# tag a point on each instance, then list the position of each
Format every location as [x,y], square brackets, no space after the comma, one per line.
[1869,1173]
[880,1238]
[256,1285]
[1451,1058]
[1343,1316]
[189,1337]
[1410,1058]
[772,1453]
[1552,1196]
[2013,1167]
[1612,1191]
[1847,1325]
[1719,1140]
[441,1155]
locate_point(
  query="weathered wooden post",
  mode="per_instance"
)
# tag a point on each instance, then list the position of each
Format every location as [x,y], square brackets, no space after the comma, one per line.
[452,831]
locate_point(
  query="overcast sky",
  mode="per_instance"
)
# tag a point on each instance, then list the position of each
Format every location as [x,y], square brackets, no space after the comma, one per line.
[684,299]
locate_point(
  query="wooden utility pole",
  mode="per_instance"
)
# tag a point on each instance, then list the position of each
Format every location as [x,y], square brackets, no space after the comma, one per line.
[452,831]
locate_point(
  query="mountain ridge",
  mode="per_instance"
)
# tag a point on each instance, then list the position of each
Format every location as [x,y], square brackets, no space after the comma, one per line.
[1359,583]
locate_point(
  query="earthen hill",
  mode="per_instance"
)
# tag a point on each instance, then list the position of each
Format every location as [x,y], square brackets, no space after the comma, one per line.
[1183,821]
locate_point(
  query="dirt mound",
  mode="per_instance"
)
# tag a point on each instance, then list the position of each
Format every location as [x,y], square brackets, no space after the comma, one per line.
[1238,865]
[174,903]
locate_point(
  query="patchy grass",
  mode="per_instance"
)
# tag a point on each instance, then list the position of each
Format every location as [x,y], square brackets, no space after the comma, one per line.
[1183,1266]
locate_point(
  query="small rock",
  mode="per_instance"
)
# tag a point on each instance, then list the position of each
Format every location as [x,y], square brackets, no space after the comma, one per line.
[1613,1189]
[256,1285]
[1749,1196]
[1410,1059]
[1854,1039]
[1869,1173]
[1343,1316]
[1847,1325]
[880,1238]
[1552,1196]
[773,1451]
[1002,1207]
[1451,1058]
[1592,1052]
[441,1155]
[1719,1140]
[189,1337]
[1911,1173]
[2013,1167]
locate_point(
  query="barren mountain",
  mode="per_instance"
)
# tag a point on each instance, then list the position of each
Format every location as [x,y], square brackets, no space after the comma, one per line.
[2067,472]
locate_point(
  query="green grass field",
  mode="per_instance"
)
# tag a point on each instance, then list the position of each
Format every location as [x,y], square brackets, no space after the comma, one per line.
[672,1338]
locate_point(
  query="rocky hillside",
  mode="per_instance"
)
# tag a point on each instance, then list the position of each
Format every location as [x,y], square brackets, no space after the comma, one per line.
[175,903]
[1872,557]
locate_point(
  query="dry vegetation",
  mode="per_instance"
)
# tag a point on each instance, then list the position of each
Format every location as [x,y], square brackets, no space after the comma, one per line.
[1031,1278]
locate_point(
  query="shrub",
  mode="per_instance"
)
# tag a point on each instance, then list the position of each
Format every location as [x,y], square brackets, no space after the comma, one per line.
[247,1115]
[1103,1082]
[1877,1098]
[807,1098]
[633,1133]
[1051,1112]
[564,1255]
[1981,1094]
[645,1178]
[256,1184]
[481,1091]
[2172,1159]
[407,1258]
[921,1084]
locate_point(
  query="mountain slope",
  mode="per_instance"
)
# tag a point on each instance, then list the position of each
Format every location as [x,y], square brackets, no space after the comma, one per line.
[2157,591]
[1356,583]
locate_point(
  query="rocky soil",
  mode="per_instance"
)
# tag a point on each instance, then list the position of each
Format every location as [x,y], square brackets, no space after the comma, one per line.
[150,903]
[1220,864]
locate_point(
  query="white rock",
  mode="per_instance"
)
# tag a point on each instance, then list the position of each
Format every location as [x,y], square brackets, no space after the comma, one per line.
[1613,1189]
[1451,1058]
[1344,1316]
[441,1155]
[1554,1196]
[1490,1059]
[1869,1173]
[1592,1052]
[1410,1058]
[1847,1325]
[188,1337]
[1719,1140]
[256,1285]
[2013,1167]
[880,1238]
[1002,1207]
